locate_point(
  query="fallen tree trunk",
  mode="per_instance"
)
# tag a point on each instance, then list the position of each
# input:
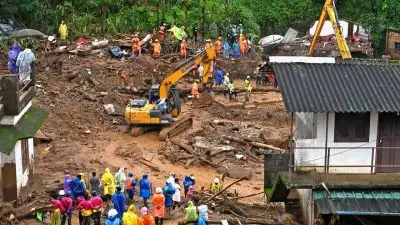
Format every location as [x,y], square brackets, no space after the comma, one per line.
[253,156]
[190,150]
[254,144]
[246,196]
[237,209]
[148,164]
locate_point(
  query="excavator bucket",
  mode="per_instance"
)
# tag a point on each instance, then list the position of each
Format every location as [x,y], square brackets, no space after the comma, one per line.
[175,128]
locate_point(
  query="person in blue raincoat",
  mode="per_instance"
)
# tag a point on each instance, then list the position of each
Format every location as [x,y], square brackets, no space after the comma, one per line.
[226,49]
[236,49]
[218,76]
[168,192]
[77,187]
[187,182]
[119,201]
[145,189]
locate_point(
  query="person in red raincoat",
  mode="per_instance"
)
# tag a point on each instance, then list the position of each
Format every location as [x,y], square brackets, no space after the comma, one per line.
[158,206]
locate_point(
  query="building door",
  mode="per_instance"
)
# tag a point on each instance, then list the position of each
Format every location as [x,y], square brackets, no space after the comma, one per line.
[389,140]
[9,182]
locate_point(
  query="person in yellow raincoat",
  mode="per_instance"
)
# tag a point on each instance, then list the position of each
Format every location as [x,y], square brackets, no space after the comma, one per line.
[130,217]
[63,30]
[190,213]
[108,182]
[195,90]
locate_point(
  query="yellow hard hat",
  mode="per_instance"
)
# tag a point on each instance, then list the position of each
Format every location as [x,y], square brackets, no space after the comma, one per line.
[219,38]
[197,80]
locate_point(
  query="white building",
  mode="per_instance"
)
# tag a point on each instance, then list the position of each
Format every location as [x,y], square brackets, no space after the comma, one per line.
[346,139]
[19,121]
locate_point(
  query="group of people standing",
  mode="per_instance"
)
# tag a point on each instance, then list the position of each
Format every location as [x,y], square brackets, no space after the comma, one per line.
[112,193]
[20,62]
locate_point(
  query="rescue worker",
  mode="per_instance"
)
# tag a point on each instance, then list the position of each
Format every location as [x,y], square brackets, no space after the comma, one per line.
[136,45]
[120,179]
[216,185]
[208,44]
[247,87]
[119,201]
[130,186]
[66,201]
[183,49]
[12,57]
[177,195]
[171,178]
[232,91]
[108,182]
[161,32]
[130,217]
[190,194]
[190,213]
[145,218]
[112,218]
[218,46]
[98,204]
[243,46]
[195,32]
[195,90]
[63,31]
[55,217]
[158,206]
[156,49]
[226,84]
[82,177]
[86,209]
[203,213]
[145,189]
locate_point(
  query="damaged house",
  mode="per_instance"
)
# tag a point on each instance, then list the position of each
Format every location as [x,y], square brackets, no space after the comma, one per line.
[19,121]
[344,163]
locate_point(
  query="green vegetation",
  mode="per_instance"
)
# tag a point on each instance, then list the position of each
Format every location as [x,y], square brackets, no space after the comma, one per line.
[259,17]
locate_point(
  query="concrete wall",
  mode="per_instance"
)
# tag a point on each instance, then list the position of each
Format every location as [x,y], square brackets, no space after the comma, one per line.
[344,156]
[16,157]
[13,120]
[274,163]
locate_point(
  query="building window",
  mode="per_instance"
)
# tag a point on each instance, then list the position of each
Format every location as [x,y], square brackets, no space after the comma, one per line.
[397,46]
[25,154]
[352,127]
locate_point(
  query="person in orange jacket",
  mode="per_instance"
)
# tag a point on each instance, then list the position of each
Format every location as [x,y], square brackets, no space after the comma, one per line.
[208,44]
[218,46]
[195,90]
[243,45]
[183,49]
[136,45]
[156,49]
[158,206]
[145,218]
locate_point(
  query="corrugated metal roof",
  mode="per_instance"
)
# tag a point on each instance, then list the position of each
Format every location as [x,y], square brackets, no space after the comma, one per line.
[358,202]
[339,87]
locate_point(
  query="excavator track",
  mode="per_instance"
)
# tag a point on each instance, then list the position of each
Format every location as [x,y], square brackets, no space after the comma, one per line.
[137,131]
[176,128]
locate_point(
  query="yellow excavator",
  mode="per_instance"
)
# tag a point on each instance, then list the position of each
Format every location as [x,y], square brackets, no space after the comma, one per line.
[163,103]
[329,9]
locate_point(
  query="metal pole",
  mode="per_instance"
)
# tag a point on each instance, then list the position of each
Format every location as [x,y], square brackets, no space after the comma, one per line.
[291,148]
[326,144]
[372,163]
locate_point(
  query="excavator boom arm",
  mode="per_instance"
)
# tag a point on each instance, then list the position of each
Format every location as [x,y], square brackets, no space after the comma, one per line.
[182,70]
[329,10]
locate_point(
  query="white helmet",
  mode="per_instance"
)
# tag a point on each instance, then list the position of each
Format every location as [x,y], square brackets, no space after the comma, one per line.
[248,77]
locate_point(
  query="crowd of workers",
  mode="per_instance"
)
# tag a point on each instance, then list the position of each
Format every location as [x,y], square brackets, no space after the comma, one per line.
[19,62]
[113,196]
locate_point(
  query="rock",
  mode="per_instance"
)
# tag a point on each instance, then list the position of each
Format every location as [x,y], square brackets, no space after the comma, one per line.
[109,108]
[237,172]
[235,128]
[103,93]
[115,121]
[87,131]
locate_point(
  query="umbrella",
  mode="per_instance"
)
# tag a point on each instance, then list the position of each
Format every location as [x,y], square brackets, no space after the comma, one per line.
[26,33]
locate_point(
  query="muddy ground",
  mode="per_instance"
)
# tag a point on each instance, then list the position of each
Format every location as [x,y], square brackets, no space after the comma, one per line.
[73,89]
